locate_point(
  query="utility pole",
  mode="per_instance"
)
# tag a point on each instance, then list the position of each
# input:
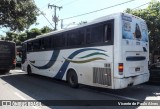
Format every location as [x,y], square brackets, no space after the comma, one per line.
[55,18]
[61,23]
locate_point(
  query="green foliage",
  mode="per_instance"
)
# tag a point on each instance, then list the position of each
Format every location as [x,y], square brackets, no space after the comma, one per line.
[18,38]
[11,36]
[46,29]
[17,14]
[33,33]
[152,17]
[2,37]
[22,37]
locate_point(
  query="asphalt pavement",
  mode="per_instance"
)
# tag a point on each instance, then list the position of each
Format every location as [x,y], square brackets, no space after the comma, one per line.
[17,85]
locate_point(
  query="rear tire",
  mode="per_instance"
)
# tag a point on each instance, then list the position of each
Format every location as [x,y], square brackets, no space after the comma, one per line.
[29,71]
[72,79]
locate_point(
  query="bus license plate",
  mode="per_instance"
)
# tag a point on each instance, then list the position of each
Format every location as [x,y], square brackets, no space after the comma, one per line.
[137,69]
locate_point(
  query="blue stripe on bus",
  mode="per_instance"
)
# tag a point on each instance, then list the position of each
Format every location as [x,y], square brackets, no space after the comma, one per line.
[51,61]
[64,67]
[135,58]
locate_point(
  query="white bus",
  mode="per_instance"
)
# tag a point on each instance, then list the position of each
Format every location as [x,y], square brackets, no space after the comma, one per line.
[109,52]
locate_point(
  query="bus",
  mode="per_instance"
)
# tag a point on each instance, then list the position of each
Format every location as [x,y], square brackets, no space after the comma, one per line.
[7,56]
[109,52]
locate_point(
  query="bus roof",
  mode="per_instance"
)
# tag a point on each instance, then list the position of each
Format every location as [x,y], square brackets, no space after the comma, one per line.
[101,19]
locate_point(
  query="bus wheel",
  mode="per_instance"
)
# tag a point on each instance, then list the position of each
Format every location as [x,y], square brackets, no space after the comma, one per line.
[72,79]
[29,71]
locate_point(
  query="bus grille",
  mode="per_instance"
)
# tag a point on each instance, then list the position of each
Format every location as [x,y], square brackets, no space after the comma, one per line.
[102,76]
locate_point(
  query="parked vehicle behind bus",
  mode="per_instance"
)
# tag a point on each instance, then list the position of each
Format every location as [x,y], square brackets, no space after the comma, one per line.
[110,52]
[7,56]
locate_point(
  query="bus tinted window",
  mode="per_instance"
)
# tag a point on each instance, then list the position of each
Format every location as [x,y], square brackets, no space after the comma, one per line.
[59,40]
[97,34]
[75,38]
[81,37]
[88,35]
[46,43]
[108,31]
[29,46]
[36,45]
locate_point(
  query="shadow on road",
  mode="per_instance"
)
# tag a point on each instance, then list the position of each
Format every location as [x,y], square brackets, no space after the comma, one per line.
[44,88]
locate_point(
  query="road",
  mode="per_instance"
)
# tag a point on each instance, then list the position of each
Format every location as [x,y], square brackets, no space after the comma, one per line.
[17,85]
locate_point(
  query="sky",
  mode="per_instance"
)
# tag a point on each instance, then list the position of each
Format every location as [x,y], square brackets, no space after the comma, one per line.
[75,7]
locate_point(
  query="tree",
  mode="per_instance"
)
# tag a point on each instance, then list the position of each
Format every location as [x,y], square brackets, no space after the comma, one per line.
[33,33]
[46,29]
[18,38]
[17,14]
[11,36]
[22,37]
[2,37]
[152,17]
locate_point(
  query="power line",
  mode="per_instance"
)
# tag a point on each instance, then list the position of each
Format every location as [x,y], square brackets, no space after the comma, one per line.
[41,13]
[69,3]
[98,10]
[46,6]
[45,17]
[140,6]
[58,1]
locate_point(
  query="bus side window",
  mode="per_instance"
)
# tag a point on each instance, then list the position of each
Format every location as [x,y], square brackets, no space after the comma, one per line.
[58,41]
[36,45]
[71,38]
[97,34]
[46,43]
[81,37]
[42,44]
[88,35]
[49,41]
[29,46]
[107,32]
[75,38]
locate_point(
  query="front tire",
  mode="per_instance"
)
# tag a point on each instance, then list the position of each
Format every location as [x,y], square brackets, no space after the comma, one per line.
[72,79]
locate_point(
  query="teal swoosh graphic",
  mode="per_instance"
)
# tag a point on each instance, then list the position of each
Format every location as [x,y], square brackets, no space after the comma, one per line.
[84,61]
[65,65]
[93,54]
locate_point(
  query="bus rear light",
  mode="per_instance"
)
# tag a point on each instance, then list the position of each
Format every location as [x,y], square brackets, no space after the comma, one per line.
[14,61]
[120,68]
